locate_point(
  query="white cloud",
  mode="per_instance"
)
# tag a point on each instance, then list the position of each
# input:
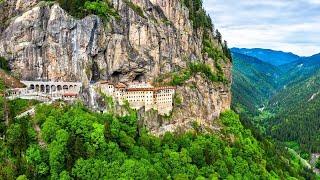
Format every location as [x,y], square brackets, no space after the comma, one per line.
[288,25]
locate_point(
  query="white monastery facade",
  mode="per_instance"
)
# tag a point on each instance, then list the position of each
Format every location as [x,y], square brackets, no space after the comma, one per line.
[137,94]
[141,95]
[47,90]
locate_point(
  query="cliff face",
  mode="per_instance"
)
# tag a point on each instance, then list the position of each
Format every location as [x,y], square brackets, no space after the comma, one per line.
[43,42]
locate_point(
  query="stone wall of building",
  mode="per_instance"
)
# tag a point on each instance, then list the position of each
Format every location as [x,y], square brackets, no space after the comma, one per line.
[140,95]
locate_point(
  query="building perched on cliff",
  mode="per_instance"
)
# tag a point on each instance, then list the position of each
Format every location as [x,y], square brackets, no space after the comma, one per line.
[141,95]
[47,90]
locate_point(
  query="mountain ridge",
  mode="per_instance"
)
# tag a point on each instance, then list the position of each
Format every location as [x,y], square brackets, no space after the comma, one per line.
[270,56]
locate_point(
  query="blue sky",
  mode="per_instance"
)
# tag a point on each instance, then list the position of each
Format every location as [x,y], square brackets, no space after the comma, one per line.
[287,25]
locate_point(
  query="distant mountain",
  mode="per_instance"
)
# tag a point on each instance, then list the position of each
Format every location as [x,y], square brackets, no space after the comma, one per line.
[300,70]
[273,57]
[254,82]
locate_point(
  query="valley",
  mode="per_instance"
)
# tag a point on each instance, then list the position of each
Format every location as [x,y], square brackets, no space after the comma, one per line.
[149,89]
[290,100]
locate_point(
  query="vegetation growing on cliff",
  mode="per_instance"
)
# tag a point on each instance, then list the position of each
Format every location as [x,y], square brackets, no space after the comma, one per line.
[198,15]
[4,64]
[135,8]
[194,68]
[80,144]
[202,21]
[82,8]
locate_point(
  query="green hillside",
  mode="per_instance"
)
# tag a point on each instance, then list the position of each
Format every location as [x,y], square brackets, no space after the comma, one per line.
[74,143]
[297,112]
[290,93]
[254,82]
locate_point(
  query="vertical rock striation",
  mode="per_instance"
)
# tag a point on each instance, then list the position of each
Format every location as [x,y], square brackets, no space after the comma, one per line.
[43,42]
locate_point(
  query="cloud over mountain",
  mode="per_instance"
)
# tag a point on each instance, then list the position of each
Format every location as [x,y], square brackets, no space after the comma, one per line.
[283,25]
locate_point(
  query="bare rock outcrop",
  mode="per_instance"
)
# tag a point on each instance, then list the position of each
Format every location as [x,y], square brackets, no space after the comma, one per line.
[43,42]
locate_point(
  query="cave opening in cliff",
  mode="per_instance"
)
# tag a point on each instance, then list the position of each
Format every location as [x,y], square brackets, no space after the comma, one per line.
[116,75]
[140,77]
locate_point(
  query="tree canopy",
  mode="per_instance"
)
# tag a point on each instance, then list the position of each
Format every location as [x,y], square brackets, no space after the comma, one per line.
[80,144]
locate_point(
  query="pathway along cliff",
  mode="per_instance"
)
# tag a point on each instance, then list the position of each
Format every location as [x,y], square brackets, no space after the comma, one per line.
[142,41]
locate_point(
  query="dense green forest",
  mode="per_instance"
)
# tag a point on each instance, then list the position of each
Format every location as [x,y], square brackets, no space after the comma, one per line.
[253,84]
[297,112]
[289,95]
[70,142]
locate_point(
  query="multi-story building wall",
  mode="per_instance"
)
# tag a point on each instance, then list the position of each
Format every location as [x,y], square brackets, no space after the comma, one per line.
[47,90]
[141,95]
[164,99]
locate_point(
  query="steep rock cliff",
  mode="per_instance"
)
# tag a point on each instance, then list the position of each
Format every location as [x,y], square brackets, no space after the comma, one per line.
[43,42]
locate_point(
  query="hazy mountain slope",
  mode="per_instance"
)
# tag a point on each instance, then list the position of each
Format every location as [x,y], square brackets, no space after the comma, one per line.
[292,91]
[300,70]
[270,56]
[254,81]
[297,112]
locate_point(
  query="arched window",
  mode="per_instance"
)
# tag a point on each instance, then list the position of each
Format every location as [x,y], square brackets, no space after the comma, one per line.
[32,87]
[37,88]
[47,88]
[65,87]
[42,88]
[53,88]
[59,87]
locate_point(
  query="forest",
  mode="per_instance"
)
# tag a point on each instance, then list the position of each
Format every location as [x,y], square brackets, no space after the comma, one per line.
[64,141]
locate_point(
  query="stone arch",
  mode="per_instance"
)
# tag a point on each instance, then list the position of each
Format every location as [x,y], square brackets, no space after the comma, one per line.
[32,87]
[65,87]
[53,88]
[47,88]
[71,87]
[59,87]
[37,88]
[42,88]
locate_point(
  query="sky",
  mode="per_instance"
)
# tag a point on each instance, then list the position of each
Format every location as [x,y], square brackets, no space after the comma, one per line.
[287,25]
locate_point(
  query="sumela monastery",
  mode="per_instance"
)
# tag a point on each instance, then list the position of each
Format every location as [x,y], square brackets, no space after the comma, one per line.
[137,94]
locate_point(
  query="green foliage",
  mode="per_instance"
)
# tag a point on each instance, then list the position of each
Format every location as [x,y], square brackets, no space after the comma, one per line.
[18,106]
[198,15]
[137,9]
[4,63]
[318,163]
[288,96]
[204,70]
[216,55]
[254,82]
[82,8]
[180,77]
[85,145]
[177,99]
[101,9]
[297,114]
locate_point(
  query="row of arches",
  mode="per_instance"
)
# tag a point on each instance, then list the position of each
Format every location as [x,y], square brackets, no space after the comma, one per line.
[52,88]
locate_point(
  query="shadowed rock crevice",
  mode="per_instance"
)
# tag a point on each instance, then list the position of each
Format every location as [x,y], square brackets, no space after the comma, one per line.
[43,42]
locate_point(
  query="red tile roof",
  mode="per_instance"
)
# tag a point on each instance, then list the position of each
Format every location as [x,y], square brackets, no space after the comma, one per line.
[140,89]
[70,94]
[104,82]
[120,85]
